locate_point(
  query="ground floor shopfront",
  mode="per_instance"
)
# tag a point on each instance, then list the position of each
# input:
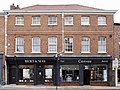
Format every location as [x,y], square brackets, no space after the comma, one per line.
[61,71]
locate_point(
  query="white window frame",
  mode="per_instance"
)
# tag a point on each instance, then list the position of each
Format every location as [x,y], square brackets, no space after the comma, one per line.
[68,40]
[35,45]
[52,42]
[19,20]
[102,20]
[52,20]
[85,20]
[68,20]
[36,20]
[85,44]
[19,44]
[101,44]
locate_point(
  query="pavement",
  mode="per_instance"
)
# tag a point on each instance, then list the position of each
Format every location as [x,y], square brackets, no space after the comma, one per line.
[41,87]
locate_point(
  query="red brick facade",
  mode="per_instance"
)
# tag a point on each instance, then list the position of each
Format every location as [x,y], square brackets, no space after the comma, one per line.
[44,31]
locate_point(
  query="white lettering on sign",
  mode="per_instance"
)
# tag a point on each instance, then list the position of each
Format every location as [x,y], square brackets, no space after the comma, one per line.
[84,61]
[35,61]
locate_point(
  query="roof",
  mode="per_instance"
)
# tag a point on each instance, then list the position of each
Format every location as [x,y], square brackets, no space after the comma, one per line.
[69,8]
[59,7]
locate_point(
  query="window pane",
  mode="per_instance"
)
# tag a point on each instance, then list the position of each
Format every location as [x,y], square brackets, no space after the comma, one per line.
[26,73]
[52,44]
[35,20]
[99,73]
[85,20]
[68,20]
[19,20]
[102,44]
[85,44]
[36,44]
[48,73]
[101,20]
[69,73]
[52,20]
[19,44]
[68,44]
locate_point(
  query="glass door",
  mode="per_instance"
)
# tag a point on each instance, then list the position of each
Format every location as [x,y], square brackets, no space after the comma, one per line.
[40,76]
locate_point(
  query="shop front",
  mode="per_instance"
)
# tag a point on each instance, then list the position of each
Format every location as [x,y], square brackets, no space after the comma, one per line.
[65,71]
[31,70]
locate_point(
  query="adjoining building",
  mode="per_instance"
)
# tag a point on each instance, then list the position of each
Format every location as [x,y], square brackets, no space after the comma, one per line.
[2,43]
[117,49]
[60,45]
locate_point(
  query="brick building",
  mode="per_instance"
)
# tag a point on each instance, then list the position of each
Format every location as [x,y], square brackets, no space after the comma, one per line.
[59,45]
[117,47]
[2,40]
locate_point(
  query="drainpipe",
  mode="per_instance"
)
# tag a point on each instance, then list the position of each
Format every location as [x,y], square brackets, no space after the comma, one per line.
[62,32]
[6,19]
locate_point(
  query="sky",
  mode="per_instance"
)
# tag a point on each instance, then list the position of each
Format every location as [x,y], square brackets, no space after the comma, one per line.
[101,4]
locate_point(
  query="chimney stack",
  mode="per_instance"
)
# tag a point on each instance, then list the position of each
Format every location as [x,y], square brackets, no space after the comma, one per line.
[13,7]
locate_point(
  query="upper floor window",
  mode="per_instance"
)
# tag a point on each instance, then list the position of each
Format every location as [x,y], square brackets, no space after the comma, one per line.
[101,44]
[85,20]
[52,20]
[68,44]
[35,20]
[68,20]
[19,20]
[20,45]
[52,44]
[85,45]
[35,45]
[101,20]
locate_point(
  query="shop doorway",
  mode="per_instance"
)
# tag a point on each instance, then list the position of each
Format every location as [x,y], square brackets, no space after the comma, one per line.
[86,77]
[12,75]
[40,76]
[118,74]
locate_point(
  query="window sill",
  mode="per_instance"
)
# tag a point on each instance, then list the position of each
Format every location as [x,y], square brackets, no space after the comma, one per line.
[102,52]
[85,24]
[19,24]
[19,52]
[51,52]
[68,24]
[68,52]
[35,52]
[52,24]
[102,24]
[85,52]
[35,24]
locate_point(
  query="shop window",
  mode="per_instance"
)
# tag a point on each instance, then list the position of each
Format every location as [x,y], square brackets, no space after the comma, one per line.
[48,73]
[69,73]
[99,73]
[26,73]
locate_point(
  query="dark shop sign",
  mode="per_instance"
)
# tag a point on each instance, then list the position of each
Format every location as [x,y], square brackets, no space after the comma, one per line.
[35,61]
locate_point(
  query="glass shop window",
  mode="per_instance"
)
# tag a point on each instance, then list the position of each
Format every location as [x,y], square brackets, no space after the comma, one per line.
[26,73]
[48,73]
[69,73]
[99,73]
